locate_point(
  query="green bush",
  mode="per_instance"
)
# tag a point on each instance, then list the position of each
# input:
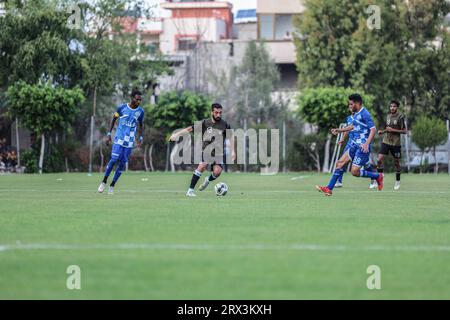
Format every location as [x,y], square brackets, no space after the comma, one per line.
[327,107]
[304,151]
[177,110]
[29,159]
[54,159]
[428,133]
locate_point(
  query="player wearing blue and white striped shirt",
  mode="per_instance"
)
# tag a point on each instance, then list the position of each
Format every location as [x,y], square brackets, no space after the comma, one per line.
[363,131]
[130,115]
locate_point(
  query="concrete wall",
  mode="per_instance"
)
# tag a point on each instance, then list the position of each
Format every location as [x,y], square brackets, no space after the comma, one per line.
[246,31]
[209,69]
[279,6]
[282,51]
[203,29]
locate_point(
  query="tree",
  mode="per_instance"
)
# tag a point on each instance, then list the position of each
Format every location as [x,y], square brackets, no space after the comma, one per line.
[113,61]
[43,109]
[257,77]
[428,133]
[325,41]
[36,44]
[311,144]
[407,58]
[327,108]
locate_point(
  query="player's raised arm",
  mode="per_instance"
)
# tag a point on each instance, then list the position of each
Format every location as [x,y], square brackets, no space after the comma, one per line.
[175,135]
[336,131]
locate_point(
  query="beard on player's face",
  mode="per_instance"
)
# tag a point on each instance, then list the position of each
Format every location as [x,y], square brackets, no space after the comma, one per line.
[353,106]
[216,115]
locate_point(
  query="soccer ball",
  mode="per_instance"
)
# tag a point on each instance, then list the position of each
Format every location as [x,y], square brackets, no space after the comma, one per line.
[221,189]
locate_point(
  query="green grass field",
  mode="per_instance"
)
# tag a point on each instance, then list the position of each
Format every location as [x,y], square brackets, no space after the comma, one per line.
[271,237]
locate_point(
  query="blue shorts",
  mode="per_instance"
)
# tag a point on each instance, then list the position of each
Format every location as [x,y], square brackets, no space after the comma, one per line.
[120,153]
[358,157]
[347,147]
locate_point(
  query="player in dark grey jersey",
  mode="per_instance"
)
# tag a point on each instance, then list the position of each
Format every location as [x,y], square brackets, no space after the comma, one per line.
[211,126]
[395,126]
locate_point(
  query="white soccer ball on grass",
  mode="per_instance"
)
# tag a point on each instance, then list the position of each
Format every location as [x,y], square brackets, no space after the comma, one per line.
[221,189]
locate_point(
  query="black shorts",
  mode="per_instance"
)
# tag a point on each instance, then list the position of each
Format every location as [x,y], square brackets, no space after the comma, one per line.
[396,151]
[214,163]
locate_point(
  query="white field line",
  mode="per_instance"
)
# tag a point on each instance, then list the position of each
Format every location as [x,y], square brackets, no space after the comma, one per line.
[348,191]
[223,247]
[299,178]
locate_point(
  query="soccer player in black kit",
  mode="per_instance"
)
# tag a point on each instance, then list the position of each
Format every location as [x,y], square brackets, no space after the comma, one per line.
[214,124]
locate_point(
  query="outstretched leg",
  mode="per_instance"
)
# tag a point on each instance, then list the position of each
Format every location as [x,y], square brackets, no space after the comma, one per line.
[338,172]
[216,171]
[115,154]
[339,182]
[118,172]
[109,168]
[124,154]
[380,165]
[359,171]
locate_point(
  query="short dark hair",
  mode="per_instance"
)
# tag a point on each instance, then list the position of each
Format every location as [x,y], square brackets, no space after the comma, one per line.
[355,98]
[135,92]
[393,101]
[216,105]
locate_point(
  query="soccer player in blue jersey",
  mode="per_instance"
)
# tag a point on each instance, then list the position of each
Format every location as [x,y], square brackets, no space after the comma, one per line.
[130,115]
[364,131]
[350,136]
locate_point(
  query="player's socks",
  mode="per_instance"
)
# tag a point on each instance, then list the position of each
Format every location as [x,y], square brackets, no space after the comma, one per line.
[336,174]
[117,174]
[195,177]
[397,176]
[109,168]
[212,177]
[339,181]
[368,174]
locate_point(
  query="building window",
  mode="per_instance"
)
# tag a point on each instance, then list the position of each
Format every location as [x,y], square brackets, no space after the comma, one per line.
[153,48]
[283,26]
[275,26]
[266,26]
[186,44]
